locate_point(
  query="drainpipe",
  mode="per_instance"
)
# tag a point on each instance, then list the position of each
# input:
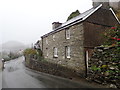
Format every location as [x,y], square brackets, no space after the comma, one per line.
[42,43]
[86,62]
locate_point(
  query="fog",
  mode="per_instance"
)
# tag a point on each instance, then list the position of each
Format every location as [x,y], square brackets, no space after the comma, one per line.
[27,20]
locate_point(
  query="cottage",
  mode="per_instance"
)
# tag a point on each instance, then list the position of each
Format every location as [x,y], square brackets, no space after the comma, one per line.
[71,43]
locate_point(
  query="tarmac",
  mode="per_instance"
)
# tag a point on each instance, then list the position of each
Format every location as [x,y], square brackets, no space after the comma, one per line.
[0,75]
[0,64]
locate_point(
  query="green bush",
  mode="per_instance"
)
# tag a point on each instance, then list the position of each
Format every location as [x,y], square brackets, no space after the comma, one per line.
[106,58]
[33,53]
[73,14]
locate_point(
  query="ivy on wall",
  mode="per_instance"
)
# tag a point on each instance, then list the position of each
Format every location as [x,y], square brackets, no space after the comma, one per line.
[105,62]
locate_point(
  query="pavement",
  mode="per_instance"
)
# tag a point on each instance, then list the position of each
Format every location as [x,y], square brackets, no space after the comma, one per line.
[0,64]
[0,74]
[0,79]
[16,75]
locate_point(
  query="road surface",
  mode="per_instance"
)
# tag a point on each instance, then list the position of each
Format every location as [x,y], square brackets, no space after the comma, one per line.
[0,74]
[0,79]
[16,75]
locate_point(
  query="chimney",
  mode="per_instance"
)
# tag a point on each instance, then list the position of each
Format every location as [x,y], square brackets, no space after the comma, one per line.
[56,25]
[105,3]
[115,4]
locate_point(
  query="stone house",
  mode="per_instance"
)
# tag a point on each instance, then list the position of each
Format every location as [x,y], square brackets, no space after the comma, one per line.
[71,43]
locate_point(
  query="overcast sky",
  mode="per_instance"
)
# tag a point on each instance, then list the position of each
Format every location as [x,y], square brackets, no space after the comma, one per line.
[27,20]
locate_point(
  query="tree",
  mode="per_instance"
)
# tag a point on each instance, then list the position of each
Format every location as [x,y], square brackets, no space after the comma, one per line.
[73,14]
[118,14]
[33,53]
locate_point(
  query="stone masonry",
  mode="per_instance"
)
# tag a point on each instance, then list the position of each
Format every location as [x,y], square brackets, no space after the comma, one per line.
[85,33]
[75,43]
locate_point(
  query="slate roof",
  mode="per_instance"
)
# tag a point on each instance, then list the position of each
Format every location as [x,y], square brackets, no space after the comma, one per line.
[80,17]
[75,20]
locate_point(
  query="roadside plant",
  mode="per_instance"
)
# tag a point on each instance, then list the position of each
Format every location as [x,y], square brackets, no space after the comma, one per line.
[112,36]
[32,53]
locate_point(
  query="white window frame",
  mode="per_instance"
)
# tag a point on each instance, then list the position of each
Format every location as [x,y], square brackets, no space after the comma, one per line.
[67,51]
[46,41]
[55,52]
[67,33]
[53,37]
[87,58]
[47,54]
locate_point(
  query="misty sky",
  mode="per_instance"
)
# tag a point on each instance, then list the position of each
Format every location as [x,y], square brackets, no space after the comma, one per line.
[27,20]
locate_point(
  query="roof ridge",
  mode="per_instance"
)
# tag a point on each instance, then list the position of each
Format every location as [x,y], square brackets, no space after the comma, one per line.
[83,16]
[79,15]
[85,12]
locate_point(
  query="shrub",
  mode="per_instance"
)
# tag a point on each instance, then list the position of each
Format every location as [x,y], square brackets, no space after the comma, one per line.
[73,14]
[105,62]
[33,53]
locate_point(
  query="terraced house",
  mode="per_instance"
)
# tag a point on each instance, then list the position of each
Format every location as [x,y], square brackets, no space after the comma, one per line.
[71,43]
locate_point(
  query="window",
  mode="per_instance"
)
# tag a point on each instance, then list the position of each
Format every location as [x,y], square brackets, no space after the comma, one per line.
[67,50]
[55,52]
[67,33]
[47,53]
[46,41]
[87,58]
[53,37]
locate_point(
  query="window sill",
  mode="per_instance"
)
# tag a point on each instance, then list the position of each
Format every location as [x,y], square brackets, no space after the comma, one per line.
[67,38]
[55,56]
[68,57]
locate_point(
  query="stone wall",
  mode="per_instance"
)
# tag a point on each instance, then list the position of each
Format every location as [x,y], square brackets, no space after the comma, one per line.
[103,17]
[59,41]
[93,34]
[104,66]
[52,68]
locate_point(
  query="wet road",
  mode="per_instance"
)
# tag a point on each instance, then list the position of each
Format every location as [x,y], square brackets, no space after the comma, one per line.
[0,74]
[16,75]
[0,79]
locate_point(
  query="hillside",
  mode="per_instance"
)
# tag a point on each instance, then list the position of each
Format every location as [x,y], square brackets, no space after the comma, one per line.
[12,46]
